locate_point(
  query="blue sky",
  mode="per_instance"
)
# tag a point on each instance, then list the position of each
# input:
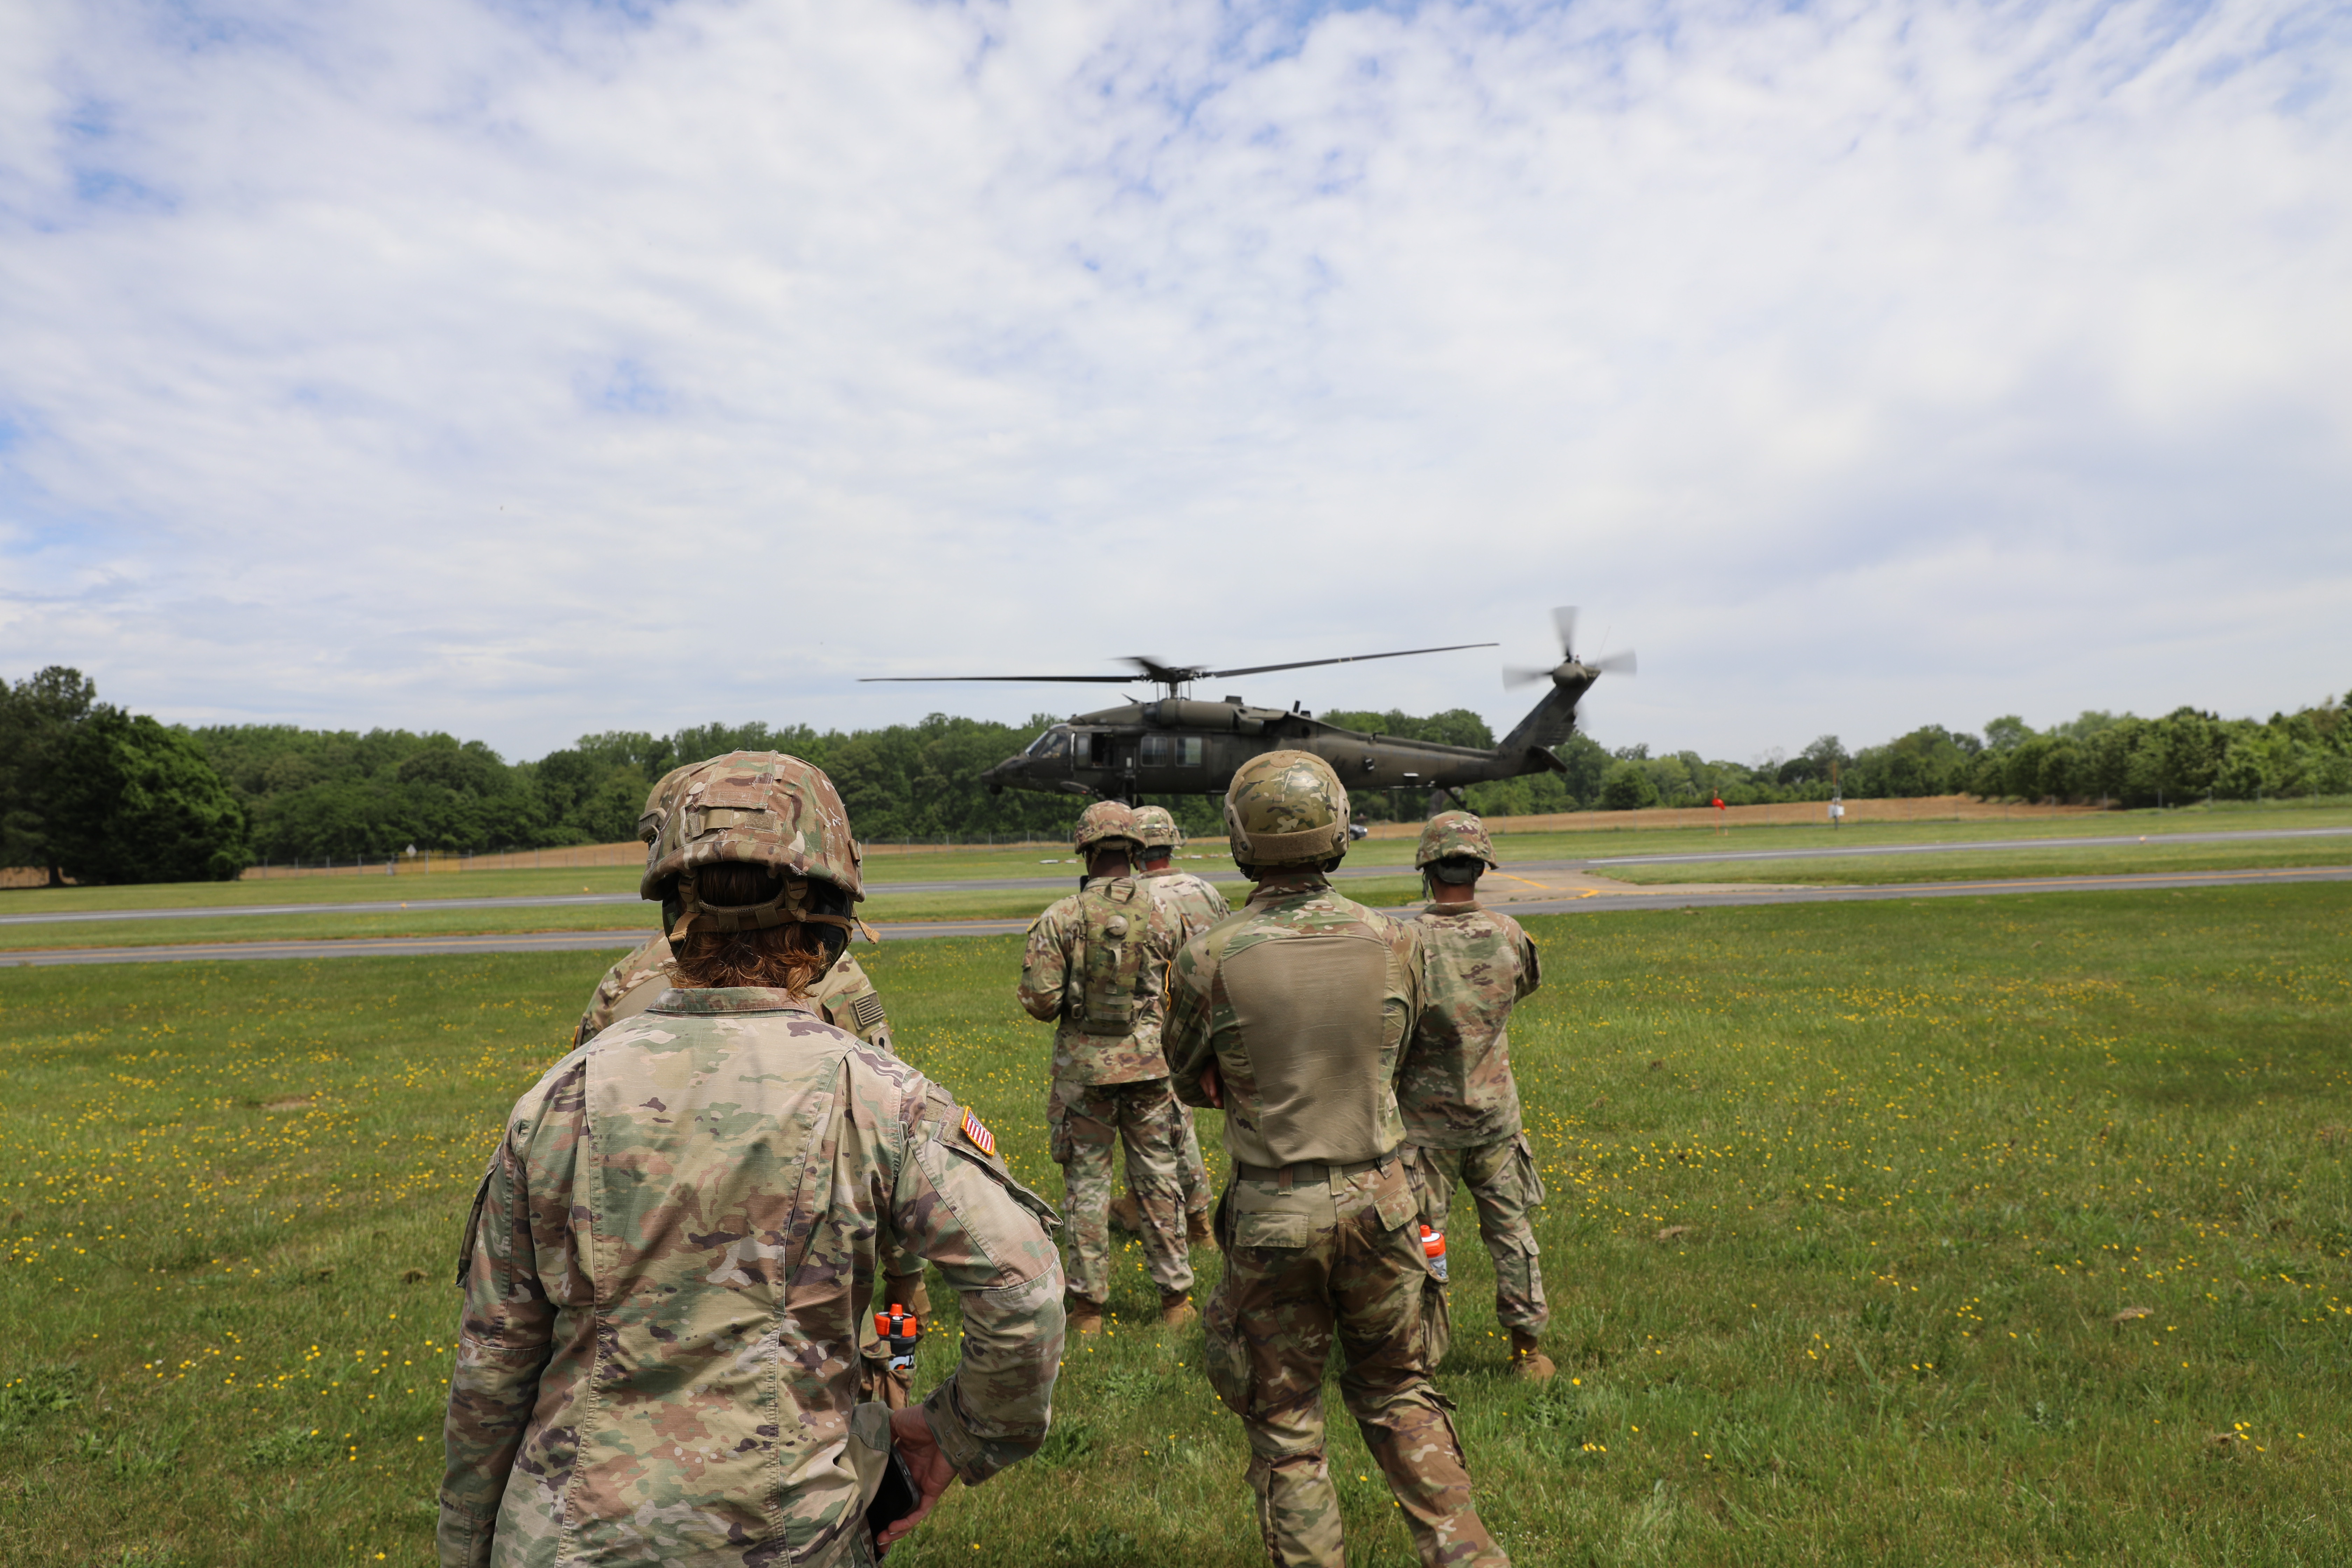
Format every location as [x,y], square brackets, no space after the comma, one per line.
[533,370]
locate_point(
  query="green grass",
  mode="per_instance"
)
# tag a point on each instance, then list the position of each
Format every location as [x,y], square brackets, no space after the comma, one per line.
[629,922]
[1984,865]
[1922,1156]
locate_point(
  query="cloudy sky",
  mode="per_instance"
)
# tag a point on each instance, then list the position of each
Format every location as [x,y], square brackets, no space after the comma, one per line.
[532,368]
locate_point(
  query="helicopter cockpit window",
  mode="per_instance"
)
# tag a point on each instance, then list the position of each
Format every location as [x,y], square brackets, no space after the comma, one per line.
[1054,742]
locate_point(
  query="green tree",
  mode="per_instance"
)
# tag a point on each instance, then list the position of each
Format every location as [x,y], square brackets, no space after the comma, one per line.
[2007,734]
[1627,786]
[137,801]
[38,721]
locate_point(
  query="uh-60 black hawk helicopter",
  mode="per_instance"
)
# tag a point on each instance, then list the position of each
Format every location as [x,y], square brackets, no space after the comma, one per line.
[1180,744]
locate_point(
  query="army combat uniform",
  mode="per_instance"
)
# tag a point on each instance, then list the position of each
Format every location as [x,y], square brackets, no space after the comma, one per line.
[1303,1004]
[1094,967]
[845,998]
[630,1385]
[1196,906]
[1460,1106]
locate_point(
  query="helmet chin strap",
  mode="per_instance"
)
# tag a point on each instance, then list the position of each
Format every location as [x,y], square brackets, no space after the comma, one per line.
[791,907]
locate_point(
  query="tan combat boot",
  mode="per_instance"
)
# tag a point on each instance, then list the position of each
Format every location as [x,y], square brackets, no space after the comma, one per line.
[1177,1310]
[1085,1318]
[1197,1229]
[1127,1214]
[1528,1360]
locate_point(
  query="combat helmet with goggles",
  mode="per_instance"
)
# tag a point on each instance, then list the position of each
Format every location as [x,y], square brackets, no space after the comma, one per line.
[765,810]
[1287,811]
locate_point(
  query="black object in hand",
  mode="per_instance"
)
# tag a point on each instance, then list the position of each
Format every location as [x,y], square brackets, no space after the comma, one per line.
[895,1498]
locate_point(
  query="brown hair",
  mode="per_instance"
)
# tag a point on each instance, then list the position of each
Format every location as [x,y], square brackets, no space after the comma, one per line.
[784,958]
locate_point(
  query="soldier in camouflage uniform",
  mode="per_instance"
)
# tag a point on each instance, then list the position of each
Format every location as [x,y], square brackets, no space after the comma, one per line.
[845,998]
[1292,1016]
[1094,968]
[630,1385]
[1196,905]
[842,997]
[1461,1107]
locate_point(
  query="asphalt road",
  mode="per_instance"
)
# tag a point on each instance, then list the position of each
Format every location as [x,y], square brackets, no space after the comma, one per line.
[1594,903]
[1069,881]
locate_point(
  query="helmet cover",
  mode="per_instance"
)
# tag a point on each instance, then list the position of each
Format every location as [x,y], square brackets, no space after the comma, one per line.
[1285,808]
[1158,827]
[758,808]
[658,801]
[1105,820]
[1455,835]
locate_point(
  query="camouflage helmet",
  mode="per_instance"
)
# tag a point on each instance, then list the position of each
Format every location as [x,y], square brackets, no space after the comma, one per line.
[658,801]
[1105,820]
[763,809]
[1158,828]
[1452,836]
[1285,808]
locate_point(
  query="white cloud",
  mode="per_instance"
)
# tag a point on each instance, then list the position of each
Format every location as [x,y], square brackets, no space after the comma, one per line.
[529,371]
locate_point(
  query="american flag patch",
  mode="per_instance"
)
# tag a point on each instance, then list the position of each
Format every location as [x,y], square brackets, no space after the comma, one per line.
[981,1138]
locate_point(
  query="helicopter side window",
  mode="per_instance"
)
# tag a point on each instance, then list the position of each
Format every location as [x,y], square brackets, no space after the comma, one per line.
[1082,749]
[1155,751]
[1187,750]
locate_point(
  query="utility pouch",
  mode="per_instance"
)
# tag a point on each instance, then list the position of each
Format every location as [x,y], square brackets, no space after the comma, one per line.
[1115,919]
[1436,1323]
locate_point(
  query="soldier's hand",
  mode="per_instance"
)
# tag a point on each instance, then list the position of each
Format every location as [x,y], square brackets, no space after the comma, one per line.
[1212,1089]
[910,1434]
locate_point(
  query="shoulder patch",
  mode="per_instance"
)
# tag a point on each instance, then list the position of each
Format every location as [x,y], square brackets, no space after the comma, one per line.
[866,1010]
[977,1133]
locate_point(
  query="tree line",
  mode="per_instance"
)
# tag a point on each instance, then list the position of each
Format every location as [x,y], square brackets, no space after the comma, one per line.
[98,794]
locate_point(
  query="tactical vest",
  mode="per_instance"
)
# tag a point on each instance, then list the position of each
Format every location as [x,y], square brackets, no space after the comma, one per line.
[1113,919]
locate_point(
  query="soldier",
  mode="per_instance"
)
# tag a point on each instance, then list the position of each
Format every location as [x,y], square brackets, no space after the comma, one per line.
[1461,1107]
[842,997]
[1292,1017]
[1196,906]
[629,1386]
[1094,965]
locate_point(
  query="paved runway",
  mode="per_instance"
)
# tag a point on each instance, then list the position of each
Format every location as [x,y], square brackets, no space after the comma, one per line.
[1588,903]
[1214,869]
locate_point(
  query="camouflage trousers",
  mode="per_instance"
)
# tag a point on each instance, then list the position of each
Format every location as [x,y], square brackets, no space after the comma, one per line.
[1198,1192]
[1504,1186]
[1318,1252]
[1087,1121]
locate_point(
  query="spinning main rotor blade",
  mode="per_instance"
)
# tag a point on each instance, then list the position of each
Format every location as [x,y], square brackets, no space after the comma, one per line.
[1350,658]
[1170,674]
[1101,680]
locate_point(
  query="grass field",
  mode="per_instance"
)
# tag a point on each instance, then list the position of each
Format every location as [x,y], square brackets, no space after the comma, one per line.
[1979,865]
[1852,1209]
[413,906]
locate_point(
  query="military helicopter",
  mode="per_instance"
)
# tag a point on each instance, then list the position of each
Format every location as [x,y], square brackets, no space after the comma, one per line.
[1180,744]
